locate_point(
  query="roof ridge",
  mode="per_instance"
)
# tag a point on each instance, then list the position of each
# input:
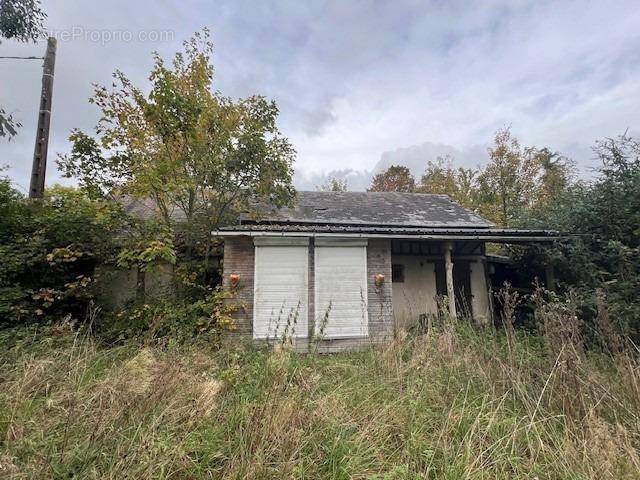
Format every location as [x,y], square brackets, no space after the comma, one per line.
[444,195]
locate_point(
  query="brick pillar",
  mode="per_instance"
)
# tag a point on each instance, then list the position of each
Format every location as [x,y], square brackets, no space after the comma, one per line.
[239,256]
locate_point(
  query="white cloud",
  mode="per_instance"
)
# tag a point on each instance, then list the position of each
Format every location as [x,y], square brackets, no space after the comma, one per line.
[356,79]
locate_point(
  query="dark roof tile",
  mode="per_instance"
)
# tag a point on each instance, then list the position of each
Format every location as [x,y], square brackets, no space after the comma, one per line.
[373,208]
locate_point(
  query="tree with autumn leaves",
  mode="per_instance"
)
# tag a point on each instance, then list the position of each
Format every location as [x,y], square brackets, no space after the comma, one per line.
[177,146]
[194,156]
[442,177]
[396,178]
[517,180]
[200,157]
[514,181]
[333,184]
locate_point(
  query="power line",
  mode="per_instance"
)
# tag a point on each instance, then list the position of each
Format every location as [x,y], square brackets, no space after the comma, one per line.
[24,58]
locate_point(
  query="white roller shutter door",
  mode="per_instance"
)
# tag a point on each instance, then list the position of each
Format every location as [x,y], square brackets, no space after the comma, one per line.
[341,290]
[281,289]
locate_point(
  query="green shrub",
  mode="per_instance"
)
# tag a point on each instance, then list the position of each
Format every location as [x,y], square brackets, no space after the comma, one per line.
[603,253]
[176,320]
[49,250]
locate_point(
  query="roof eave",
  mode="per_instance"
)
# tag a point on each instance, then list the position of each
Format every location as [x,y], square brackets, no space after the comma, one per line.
[311,223]
[484,236]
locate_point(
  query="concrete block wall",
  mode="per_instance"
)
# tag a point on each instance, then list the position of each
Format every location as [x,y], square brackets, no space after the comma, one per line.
[480,306]
[119,287]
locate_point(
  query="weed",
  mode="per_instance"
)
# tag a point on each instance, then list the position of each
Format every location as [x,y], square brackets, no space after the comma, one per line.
[455,401]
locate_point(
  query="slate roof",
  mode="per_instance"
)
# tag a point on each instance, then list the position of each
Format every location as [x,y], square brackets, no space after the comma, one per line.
[146,208]
[379,209]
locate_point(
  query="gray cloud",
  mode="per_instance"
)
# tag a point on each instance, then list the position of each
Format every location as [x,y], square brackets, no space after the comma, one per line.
[356,79]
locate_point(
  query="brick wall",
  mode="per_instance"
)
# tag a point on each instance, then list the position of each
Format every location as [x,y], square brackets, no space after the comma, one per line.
[239,258]
[380,298]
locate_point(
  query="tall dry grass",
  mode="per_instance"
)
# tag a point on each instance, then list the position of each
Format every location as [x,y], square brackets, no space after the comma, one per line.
[451,402]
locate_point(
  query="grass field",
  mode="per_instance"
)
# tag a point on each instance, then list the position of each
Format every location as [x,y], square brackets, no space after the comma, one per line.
[450,403]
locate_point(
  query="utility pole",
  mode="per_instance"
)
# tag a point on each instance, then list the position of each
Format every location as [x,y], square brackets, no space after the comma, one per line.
[38,171]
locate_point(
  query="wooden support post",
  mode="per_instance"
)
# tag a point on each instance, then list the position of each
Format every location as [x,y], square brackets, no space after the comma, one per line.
[39,168]
[451,295]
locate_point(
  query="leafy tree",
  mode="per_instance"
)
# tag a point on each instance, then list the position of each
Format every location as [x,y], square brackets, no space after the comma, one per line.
[198,155]
[50,250]
[507,185]
[333,184]
[396,178]
[604,219]
[8,125]
[556,175]
[11,209]
[460,184]
[20,20]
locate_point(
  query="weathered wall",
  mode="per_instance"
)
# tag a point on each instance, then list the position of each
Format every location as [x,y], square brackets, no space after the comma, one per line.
[159,282]
[417,294]
[119,286]
[239,259]
[380,298]
[479,292]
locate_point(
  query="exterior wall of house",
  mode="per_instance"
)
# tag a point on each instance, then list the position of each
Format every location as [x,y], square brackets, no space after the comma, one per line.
[239,258]
[380,299]
[120,286]
[416,295]
[390,305]
[479,292]
[159,281]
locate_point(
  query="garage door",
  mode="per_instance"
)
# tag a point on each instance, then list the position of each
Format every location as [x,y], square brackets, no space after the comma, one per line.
[341,289]
[281,288]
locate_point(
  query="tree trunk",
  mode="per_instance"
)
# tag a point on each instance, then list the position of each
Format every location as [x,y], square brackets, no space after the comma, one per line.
[189,233]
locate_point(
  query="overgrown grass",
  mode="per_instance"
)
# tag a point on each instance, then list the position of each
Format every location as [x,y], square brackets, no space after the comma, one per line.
[450,403]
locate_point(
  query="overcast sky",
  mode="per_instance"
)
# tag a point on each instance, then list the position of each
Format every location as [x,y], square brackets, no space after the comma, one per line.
[360,84]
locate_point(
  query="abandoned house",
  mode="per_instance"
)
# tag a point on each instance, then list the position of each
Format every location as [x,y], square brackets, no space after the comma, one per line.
[348,267]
